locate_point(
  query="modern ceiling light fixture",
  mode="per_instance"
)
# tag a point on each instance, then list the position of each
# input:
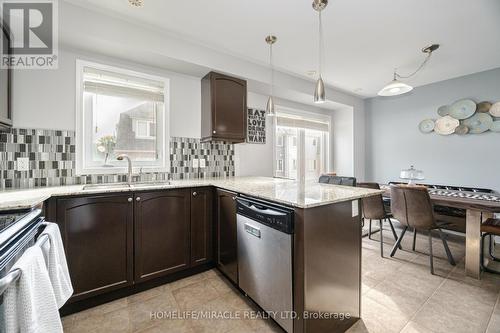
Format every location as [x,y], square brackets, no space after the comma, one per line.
[319,91]
[136,3]
[396,87]
[270,40]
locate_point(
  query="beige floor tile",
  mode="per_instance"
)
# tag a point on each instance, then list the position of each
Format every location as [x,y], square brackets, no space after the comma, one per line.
[145,295]
[399,298]
[221,284]
[494,323]
[457,307]
[194,295]
[413,327]
[98,310]
[187,281]
[379,319]
[169,325]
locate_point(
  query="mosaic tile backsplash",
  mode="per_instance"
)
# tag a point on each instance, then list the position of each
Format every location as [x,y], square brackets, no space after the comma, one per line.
[51,156]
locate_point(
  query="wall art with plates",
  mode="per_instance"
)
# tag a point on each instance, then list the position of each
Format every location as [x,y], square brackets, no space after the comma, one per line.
[464,117]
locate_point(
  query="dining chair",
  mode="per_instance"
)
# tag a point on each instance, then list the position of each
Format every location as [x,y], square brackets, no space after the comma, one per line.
[337,180]
[490,228]
[373,209]
[411,206]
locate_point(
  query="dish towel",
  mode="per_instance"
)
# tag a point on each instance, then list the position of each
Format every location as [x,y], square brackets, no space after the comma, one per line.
[56,264]
[29,304]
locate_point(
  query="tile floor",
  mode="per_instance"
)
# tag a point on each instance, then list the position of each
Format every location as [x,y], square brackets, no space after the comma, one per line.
[398,295]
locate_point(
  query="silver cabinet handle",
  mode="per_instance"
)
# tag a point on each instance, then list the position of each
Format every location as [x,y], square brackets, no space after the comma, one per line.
[195,194]
[129,199]
[138,199]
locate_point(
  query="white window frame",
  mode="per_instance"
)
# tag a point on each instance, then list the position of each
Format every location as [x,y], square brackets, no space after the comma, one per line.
[162,164]
[302,167]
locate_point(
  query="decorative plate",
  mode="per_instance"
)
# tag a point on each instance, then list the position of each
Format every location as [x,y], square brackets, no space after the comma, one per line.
[446,125]
[463,109]
[462,130]
[483,107]
[444,110]
[495,126]
[426,126]
[495,109]
[478,123]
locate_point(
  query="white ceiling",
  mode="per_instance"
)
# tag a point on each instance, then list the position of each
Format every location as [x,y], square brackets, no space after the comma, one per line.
[365,39]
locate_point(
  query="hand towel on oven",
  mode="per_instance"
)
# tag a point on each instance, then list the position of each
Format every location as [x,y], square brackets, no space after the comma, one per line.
[56,264]
[29,304]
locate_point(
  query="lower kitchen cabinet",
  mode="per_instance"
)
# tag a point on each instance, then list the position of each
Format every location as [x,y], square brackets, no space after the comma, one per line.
[98,237]
[226,250]
[201,226]
[162,233]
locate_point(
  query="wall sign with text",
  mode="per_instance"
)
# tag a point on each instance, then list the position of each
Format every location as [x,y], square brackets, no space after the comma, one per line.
[256,126]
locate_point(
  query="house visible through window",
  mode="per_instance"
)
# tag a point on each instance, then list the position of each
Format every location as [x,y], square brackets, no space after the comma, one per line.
[301,140]
[120,112]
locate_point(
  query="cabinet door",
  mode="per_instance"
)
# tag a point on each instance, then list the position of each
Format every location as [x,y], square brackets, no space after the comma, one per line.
[98,240]
[229,107]
[161,233]
[227,259]
[201,226]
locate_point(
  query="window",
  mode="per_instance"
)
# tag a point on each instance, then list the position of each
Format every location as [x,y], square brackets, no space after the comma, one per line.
[279,166]
[120,112]
[303,147]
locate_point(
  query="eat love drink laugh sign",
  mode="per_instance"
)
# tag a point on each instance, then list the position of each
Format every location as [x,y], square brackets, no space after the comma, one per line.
[256,126]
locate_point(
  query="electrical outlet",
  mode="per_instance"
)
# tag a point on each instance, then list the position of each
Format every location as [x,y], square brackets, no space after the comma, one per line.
[23,164]
[196,163]
[203,163]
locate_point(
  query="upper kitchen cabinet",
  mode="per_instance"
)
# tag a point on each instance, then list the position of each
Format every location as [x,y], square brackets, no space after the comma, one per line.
[223,108]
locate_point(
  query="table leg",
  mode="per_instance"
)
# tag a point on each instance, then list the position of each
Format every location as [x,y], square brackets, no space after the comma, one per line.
[473,241]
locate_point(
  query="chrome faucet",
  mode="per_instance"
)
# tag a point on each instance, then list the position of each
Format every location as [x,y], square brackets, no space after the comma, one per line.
[121,157]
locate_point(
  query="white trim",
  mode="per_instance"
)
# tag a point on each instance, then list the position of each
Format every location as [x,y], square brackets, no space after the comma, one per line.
[164,135]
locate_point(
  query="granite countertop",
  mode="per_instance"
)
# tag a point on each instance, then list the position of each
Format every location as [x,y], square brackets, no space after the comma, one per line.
[284,191]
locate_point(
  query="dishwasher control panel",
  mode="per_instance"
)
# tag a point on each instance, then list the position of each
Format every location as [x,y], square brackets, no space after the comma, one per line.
[274,216]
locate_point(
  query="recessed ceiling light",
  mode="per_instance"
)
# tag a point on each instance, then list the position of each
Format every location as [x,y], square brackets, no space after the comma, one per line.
[136,3]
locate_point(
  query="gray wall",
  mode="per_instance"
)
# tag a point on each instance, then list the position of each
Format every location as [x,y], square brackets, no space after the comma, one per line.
[393,140]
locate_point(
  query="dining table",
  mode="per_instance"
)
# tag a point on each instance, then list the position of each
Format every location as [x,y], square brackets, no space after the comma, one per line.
[477,211]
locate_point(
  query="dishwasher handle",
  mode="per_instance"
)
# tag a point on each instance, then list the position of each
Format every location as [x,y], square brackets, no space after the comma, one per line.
[252,230]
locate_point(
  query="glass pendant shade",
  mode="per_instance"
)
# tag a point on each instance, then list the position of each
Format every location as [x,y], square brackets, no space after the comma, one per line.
[319,92]
[270,106]
[395,88]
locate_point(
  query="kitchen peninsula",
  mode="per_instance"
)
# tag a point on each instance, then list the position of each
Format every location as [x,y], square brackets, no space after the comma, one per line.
[134,237]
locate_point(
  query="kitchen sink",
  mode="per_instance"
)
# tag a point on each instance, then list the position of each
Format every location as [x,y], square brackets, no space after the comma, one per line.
[113,186]
[151,183]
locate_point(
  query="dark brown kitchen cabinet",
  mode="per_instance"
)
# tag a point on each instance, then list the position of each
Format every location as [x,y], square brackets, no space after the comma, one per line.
[226,250]
[201,226]
[162,233]
[98,237]
[223,108]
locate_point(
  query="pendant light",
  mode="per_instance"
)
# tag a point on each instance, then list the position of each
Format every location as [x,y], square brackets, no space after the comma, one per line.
[396,87]
[319,91]
[270,40]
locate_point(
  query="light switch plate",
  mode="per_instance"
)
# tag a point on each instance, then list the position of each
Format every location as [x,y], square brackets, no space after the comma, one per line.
[195,163]
[203,163]
[23,164]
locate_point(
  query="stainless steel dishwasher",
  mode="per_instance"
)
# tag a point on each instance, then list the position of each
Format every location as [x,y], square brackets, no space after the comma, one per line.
[265,233]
